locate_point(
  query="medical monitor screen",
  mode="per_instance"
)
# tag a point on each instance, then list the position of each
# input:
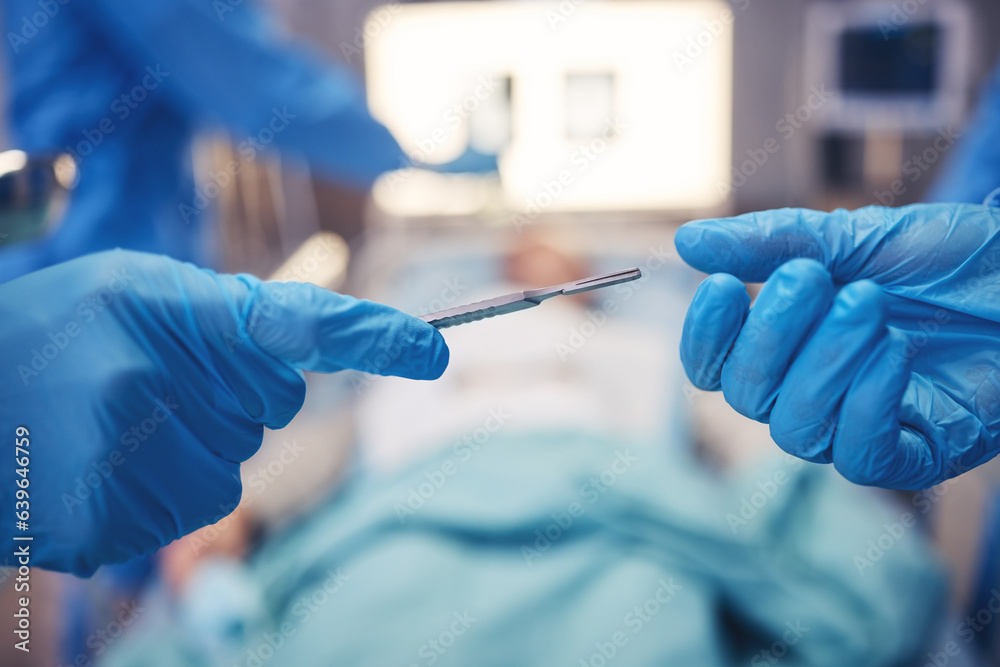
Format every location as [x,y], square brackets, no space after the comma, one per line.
[881,61]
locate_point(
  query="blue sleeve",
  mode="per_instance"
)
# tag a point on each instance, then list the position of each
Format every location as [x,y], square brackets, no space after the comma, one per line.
[973,170]
[218,61]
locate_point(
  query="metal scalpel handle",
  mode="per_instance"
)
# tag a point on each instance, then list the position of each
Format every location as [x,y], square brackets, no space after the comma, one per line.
[510,303]
[480,310]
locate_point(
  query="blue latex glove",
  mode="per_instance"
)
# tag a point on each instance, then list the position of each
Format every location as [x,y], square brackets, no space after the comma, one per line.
[144,382]
[874,344]
[972,169]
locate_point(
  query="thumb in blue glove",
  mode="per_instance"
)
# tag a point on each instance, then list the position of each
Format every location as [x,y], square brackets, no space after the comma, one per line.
[142,383]
[874,343]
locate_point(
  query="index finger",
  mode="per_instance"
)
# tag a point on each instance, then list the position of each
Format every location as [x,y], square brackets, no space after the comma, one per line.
[317,330]
[908,246]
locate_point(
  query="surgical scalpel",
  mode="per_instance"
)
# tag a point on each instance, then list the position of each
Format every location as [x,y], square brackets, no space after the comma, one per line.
[510,303]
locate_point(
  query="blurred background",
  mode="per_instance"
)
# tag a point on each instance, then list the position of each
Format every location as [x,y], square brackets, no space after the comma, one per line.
[545,141]
[791,76]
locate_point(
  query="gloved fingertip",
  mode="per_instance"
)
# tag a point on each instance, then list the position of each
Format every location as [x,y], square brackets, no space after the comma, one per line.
[414,350]
[804,268]
[746,246]
[687,237]
[725,283]
[863,298]
[699,241]
[801,278]
[436,354]
[871,446]
[712,324]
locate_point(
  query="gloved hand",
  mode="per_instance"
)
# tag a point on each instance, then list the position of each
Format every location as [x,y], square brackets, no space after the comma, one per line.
[143,383]
[874,344]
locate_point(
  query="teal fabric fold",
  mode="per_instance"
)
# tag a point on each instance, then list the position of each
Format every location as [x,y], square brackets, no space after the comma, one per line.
[566,549]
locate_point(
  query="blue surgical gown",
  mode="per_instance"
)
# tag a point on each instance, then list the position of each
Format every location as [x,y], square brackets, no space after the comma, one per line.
[123,86]
[972,171]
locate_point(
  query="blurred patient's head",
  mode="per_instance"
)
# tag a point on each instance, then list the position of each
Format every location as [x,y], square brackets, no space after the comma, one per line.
[539,258]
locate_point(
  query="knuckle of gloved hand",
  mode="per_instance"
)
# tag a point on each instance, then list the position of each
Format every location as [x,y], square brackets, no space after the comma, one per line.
[718,308]
[865,463]
[695,356]
[862,300]
[705,340]
[797,437]
[794,286]
[721,284]
[216,506]
[863,472]
[802,275]
[743,392]
[703,371]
